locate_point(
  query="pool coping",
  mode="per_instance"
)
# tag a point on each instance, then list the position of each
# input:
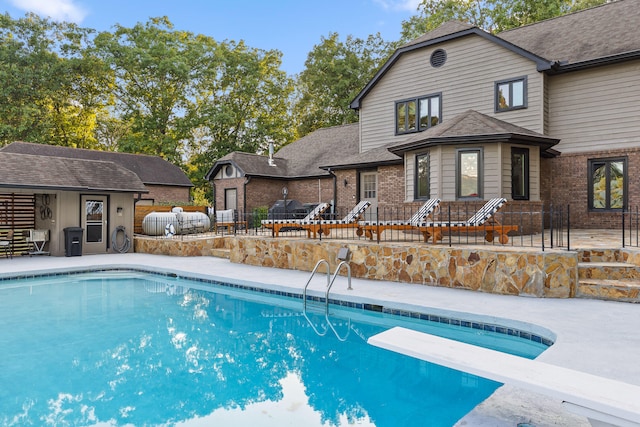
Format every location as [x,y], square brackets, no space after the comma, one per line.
[504,326]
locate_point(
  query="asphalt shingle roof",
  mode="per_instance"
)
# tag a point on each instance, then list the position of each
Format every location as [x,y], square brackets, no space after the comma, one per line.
[599,32]
[302,158]
[60,173]
[150,169]
[471,126]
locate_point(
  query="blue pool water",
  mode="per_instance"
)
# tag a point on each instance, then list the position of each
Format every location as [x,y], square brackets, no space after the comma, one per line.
[134,349]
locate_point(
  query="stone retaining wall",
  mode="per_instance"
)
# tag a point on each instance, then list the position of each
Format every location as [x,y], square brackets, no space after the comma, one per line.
[487,269]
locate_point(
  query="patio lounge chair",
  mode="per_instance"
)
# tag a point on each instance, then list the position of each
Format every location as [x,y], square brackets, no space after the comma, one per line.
[228,219]
[6,244]
[278,224]
[426,210]
[349,221]
[484,220]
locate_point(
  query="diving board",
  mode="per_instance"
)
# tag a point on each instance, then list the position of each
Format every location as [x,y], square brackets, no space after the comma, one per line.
[605,402]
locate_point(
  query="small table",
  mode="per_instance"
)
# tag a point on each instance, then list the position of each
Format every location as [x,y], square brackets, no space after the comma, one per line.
[38,238]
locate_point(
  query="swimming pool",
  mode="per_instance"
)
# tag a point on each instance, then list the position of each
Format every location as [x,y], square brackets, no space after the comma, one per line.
[130,348]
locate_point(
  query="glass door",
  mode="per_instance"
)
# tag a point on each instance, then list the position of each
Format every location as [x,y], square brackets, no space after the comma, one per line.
[94,222]
[369,191]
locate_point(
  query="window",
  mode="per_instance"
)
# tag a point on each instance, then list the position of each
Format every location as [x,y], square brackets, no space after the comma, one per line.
[369,184]
[519,173]
[511,94]
[607,184]
[469,173]
[422,176]
[414,115]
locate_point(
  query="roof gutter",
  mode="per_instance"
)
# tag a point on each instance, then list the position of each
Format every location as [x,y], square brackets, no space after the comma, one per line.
[472,139]
[560,67]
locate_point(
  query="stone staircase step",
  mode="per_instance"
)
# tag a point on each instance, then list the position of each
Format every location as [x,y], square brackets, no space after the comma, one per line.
[608,270]
[221,253]
[611,290]
[601,255]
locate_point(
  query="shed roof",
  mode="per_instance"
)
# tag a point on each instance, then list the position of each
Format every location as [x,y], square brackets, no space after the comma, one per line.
[150,169]
[60,173]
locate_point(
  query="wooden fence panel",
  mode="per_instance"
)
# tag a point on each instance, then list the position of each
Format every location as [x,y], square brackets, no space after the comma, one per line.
[18,213]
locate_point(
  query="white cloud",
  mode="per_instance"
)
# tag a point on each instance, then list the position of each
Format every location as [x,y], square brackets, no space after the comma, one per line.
[408,5]
[58,10]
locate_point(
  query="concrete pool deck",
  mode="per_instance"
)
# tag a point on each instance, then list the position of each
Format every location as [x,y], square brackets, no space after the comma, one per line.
[597,337]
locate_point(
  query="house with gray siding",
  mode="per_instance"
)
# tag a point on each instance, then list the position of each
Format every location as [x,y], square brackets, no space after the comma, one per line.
[543,114]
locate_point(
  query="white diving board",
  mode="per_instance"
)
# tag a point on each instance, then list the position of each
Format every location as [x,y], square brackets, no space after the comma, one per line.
[605,402]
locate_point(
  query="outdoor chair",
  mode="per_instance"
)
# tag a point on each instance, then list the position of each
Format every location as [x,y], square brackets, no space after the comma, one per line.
[227,218]
[349,221]
[484,220]
[377,227]
[6,244]
[278,224]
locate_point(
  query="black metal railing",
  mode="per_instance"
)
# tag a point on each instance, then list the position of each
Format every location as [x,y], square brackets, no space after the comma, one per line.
[630,227]
[545,228]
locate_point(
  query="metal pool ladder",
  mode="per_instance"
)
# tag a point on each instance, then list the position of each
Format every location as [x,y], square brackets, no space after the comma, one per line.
[330,281]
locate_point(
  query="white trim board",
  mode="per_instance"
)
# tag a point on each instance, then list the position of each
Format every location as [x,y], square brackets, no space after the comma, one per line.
[604,401]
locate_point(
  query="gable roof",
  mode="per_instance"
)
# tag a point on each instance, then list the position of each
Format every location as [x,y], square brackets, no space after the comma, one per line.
[566,43]
[150,169]
[59,173]
[300,159]
[472,127]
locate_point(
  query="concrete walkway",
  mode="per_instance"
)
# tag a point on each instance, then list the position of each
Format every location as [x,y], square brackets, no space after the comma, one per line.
[598,337]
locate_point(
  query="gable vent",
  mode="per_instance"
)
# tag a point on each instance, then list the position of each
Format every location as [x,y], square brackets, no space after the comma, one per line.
[438,58]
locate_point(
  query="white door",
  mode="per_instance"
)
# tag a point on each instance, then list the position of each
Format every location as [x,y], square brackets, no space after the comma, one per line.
[94,223]
[231,198]
[369,191]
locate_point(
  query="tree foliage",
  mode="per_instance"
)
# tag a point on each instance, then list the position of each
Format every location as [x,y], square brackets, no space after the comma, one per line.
[335,72]
[189,98]
[491,15]
[50,89]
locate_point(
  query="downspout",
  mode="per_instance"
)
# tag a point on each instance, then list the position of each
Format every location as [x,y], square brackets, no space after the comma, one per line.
[335,191]
[244,196]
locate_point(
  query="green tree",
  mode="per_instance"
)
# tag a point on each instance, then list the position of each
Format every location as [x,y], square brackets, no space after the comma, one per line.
[51,91]
[492,15]
[242,105]
[191,99]
[153,69]
[335,72]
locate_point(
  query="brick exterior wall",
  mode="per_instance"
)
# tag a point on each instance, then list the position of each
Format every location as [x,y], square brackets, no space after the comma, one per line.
[166,194]
[222,184]
[347,190]
[391,188]
[564,182]
[262,192]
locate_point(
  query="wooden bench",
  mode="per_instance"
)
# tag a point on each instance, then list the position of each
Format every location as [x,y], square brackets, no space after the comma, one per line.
[605,402]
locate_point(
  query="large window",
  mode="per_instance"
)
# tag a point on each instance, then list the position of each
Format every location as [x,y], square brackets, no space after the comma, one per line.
[511,94]
[469,173]
[519,173]
[414,115]
[422,176]
[607,184]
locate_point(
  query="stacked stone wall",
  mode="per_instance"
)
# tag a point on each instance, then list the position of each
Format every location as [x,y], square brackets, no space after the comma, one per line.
[541,274]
